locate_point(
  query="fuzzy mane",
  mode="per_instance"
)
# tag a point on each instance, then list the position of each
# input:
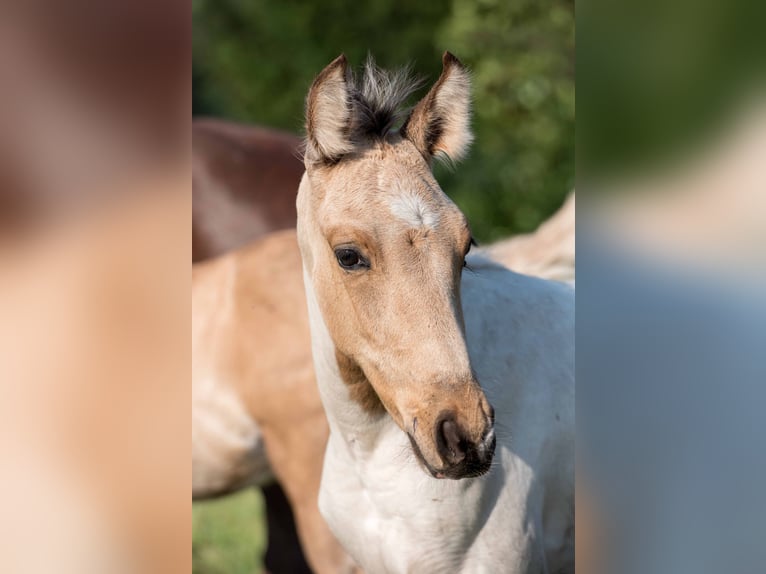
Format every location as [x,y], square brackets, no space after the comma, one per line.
[379,97]
[346,111]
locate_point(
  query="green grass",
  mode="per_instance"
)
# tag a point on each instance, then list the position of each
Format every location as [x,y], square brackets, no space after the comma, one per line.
[229,534]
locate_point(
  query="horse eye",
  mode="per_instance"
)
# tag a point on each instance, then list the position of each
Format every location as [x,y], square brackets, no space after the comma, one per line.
[349,258]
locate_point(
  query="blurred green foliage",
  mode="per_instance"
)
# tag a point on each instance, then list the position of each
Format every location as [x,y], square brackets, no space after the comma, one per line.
[254,60]
[522,56]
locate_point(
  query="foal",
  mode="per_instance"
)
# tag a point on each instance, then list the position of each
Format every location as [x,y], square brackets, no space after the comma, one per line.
[414,344]
[253,377]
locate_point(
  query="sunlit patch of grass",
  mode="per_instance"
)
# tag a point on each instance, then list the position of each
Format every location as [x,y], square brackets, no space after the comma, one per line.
[229,534]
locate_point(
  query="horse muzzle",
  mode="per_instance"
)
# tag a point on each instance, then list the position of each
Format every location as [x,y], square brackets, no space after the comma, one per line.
[460,457]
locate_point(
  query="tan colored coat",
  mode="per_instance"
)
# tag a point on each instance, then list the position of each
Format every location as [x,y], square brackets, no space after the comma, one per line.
[251,335]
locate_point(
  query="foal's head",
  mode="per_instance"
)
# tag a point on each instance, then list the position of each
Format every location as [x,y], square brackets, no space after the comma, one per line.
[384,249]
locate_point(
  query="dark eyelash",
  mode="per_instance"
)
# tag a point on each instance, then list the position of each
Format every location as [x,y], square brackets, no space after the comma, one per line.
[471,243]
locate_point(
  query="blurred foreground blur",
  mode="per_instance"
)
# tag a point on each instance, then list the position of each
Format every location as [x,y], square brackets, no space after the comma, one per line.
[94,361]
[95,214]
[671,304]
[671,367]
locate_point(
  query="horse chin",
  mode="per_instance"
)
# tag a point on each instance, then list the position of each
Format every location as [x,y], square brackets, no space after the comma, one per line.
[422,460]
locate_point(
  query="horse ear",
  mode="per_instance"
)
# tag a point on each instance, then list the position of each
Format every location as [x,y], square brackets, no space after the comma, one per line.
[440,124]
[329,113]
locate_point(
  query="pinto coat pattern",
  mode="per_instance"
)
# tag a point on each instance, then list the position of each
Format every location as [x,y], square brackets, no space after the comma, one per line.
[473,367]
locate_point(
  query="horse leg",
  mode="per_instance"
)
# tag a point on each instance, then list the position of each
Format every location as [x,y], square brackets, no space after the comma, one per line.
[283,552]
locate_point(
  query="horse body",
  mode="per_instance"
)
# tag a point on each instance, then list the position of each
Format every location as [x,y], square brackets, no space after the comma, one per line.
[448,381]
[483,524]
[256,413]
[234,299]
[228,450]
[549,252]
[244,180]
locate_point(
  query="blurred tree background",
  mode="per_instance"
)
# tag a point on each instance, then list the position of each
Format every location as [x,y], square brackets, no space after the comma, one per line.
[254,60]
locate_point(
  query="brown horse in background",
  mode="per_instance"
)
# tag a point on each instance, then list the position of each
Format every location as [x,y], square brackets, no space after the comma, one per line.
[244,182]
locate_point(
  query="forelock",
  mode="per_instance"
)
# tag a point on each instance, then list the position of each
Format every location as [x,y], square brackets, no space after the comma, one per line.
[380,97]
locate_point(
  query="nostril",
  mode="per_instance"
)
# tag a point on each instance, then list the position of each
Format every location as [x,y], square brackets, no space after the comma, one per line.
[450,441]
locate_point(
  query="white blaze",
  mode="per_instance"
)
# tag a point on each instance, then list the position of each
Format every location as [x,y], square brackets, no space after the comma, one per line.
[410,208]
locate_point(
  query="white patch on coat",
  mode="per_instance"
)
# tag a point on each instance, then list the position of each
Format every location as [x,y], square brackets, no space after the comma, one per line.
[412,209]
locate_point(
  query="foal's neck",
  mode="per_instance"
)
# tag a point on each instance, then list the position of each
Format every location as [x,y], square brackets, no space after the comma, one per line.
[347,419]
